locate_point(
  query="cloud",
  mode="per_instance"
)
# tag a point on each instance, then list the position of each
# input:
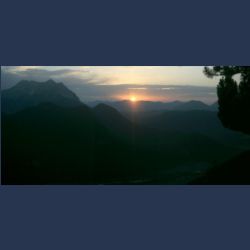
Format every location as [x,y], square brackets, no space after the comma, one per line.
[89,85]
[11,75]
[92,92]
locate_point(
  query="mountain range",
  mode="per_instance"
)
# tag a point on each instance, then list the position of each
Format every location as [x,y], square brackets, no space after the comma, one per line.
[127,106]
[56,139]
[31,93]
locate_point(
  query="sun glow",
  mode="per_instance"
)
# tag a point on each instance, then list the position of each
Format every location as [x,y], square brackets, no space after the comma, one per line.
[133,99]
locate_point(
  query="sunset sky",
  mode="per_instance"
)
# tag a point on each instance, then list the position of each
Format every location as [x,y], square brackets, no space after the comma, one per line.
[161,83]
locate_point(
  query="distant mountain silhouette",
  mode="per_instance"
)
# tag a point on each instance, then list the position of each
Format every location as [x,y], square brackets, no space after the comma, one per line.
[215,106]
[127,106]
[192,105]
[30,93]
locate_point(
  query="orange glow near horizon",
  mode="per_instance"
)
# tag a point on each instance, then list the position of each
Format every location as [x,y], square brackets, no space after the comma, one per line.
[134,98]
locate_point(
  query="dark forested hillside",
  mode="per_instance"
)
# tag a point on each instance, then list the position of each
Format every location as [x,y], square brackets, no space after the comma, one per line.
[235,171]
[48,144]
[50,137]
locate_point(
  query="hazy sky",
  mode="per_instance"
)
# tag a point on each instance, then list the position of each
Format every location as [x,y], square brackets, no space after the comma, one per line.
[163,83]
[174,75]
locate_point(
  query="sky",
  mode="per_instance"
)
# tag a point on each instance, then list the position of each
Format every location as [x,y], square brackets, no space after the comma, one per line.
[90,83]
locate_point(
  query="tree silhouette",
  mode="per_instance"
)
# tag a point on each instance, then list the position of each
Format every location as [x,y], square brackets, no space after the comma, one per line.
[233,97]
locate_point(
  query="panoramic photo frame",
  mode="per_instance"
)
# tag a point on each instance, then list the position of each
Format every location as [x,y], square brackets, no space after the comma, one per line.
[125,124]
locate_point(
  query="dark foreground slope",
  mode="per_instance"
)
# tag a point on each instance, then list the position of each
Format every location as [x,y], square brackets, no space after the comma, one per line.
[50,137]
[232,172]
[48,144]
[127,106]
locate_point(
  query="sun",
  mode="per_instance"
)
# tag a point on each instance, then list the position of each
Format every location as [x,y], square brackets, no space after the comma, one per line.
[133,99]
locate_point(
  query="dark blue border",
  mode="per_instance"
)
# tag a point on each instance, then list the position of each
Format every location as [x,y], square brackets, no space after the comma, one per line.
[113,32]
[125,217]
[124,33]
